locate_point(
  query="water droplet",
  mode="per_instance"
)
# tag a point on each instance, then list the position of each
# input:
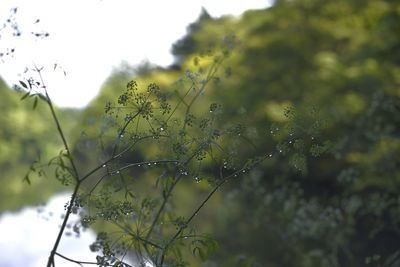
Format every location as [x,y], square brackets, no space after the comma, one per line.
[235,175]
[291,134]
[104,165]
[161,129]
[149,164]
[312,137]
[280,150]
[138,165]
[185,237]
[121,136]
[290,141]
[117,172]
[155,163]
[270,155]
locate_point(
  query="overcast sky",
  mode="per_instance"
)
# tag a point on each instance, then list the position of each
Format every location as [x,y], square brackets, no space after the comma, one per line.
[89,38]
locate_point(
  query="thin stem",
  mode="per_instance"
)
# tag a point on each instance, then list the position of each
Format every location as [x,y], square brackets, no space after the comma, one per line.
[123,131]
[136,236]
[83,262]
[124,168]
[197,210]
[114,157]
[59,129]
[75,261]
[75,172]
[64,224]
[191,218]
[179,103]
[165,200]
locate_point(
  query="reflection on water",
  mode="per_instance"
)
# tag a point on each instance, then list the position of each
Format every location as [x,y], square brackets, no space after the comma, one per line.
[26,237]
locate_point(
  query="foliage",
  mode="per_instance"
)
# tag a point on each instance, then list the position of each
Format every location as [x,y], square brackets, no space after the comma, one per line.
[317,85]
[185,143]
[327,60]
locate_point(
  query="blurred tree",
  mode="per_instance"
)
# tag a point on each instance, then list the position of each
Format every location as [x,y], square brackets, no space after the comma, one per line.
[330,61]
[25,136]
[318,84]
[187,45]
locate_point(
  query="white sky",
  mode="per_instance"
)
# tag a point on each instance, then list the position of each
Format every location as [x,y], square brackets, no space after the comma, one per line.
[89,38]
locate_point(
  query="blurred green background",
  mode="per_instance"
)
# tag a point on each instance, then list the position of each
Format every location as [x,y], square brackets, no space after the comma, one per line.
[333,199]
